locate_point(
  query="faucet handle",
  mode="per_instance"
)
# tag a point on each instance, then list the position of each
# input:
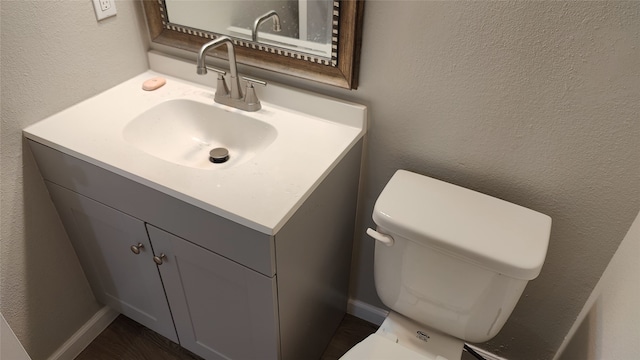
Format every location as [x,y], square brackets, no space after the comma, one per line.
[220,72]
[250,98]
[251,82]
[221,87]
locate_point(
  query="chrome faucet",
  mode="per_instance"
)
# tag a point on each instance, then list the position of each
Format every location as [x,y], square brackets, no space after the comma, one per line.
[230,95]
[270,14]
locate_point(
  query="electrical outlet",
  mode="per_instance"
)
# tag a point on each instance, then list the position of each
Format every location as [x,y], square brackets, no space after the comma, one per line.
[104,8]
[105,5]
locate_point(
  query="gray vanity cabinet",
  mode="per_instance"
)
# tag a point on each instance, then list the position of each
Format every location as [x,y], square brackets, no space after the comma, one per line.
[219,290]
[103,238]
[233,317]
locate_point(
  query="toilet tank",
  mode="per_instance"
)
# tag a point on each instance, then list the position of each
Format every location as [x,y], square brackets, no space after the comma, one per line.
[460,259]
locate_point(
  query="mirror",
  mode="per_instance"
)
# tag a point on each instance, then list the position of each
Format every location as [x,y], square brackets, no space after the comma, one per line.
[313,39]
[303,25]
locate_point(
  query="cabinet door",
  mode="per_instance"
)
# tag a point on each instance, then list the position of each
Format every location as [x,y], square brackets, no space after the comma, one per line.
[222,310]
[102,237]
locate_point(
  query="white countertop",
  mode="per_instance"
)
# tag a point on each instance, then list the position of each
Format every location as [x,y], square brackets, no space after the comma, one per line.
[261,193]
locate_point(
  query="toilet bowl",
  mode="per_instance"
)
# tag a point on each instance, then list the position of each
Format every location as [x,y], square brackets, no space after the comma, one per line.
[450,263]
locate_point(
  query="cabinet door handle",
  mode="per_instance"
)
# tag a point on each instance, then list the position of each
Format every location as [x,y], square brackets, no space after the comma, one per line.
[160,259]
[136,248]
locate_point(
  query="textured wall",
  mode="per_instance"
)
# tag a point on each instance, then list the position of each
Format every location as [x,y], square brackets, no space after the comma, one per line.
[53,54]
[533,102]
[536,103]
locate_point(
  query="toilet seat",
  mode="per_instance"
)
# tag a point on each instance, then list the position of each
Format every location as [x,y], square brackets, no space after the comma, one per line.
[378,347]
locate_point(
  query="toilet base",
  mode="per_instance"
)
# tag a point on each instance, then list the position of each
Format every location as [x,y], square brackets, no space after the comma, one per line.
[407,339]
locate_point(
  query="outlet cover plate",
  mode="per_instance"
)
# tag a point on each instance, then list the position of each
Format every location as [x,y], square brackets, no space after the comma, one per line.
[104,8]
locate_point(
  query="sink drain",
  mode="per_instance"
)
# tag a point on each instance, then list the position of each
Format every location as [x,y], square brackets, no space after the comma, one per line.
[218,155]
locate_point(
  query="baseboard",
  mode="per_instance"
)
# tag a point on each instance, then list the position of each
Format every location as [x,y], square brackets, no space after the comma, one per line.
[85,335]
[366,311]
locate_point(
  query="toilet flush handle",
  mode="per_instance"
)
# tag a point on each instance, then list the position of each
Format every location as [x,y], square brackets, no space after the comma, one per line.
[385,239]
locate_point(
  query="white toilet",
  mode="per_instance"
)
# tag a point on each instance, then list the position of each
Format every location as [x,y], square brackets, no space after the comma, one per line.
[450,263]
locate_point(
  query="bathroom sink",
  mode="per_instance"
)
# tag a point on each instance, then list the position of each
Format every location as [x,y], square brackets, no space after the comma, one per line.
[162,139]
[183,132]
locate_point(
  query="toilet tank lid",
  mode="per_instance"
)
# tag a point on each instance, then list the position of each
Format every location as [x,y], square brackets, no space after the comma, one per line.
[493,233]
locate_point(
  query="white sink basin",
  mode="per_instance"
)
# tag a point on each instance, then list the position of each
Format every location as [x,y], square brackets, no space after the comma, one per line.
[183,132]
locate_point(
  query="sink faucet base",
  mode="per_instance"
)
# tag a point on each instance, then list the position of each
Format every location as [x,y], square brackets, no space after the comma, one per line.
[232,95]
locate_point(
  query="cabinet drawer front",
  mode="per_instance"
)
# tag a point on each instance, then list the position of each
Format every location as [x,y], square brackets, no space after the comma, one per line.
[223,310]
[102,238]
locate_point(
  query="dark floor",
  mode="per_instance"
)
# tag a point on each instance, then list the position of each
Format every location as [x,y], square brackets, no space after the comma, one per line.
[126,339]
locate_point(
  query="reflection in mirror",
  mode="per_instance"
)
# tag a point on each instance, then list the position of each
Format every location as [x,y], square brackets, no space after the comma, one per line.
[306,25]
[319,39]
[271,14]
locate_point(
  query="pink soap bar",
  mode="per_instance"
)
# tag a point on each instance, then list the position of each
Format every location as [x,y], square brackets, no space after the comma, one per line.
[153,83]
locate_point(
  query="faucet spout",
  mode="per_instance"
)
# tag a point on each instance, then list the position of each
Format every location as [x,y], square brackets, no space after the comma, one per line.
[236,93]
[262,18]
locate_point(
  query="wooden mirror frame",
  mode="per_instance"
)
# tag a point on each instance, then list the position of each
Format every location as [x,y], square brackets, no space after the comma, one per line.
[344,74]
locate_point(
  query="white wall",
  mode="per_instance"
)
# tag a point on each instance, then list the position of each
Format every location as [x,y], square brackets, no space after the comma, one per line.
[532,102]
[608,328]
[53,54]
